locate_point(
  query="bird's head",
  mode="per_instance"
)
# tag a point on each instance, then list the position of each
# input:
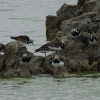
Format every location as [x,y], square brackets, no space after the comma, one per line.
[25,55]
[62,44]
[31,41]
[56,57]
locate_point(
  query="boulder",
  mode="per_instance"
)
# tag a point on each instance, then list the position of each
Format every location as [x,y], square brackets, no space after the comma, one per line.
[52,26]
[12,61]
[67,11]
[75,16]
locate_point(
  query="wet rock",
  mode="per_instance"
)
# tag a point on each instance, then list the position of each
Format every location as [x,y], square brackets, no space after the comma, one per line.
[94,66]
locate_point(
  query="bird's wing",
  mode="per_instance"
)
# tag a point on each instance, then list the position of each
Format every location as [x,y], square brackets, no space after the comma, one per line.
[22,38]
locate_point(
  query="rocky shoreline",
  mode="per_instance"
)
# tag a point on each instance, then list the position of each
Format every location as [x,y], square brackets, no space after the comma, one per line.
[78,57]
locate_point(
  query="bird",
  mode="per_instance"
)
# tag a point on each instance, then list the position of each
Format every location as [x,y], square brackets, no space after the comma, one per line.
[75,32]
[93,39]
[25,58]
[2,47]
[51,46]
[57,61]
[57,46]
[22,39]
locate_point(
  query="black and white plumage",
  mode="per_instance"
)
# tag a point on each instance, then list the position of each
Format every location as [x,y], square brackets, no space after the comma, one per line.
[25,58]
[51,46]
[75,32]
[23,39]
[2,48]
[93,39]
[57,61]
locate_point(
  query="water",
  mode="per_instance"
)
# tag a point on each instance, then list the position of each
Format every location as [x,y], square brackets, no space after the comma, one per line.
[27,17]
[48,88]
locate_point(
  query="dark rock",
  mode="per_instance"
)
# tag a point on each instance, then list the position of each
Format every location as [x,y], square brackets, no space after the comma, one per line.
[89,6]
[67,11]
[56,72]
[52,25]
[80,2]
[79,55]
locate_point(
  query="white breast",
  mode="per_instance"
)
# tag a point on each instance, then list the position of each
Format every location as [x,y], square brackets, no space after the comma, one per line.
[94,42]
[54,48]
[60,64]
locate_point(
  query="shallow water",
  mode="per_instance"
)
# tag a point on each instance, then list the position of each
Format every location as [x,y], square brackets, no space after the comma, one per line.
[27,17]
[48,88]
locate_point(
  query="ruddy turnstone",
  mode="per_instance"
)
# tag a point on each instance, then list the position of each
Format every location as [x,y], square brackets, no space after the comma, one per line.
[51,46]
[25,58]
[23,39]
[57,46]
[57,61]
[93,39]
[75,32]
[2,47]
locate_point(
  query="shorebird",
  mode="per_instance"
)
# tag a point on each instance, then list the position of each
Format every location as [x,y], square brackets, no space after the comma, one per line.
[51,46]
[57,61]
[2,47]
[75,32]
[93,39]
[25,58]
[22,39]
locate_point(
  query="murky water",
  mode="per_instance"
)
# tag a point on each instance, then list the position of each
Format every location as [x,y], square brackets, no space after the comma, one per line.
[48,88]
[27,17]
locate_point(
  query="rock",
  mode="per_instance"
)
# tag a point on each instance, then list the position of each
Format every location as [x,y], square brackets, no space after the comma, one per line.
[11,64]
[11,61]
[77,16]
[52,25]
[80,2]
[36,65]
[94,66]
[56,72]
[89,6]
[81,22]
[79,66]
[67,11]
[13,48]
[80,55]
